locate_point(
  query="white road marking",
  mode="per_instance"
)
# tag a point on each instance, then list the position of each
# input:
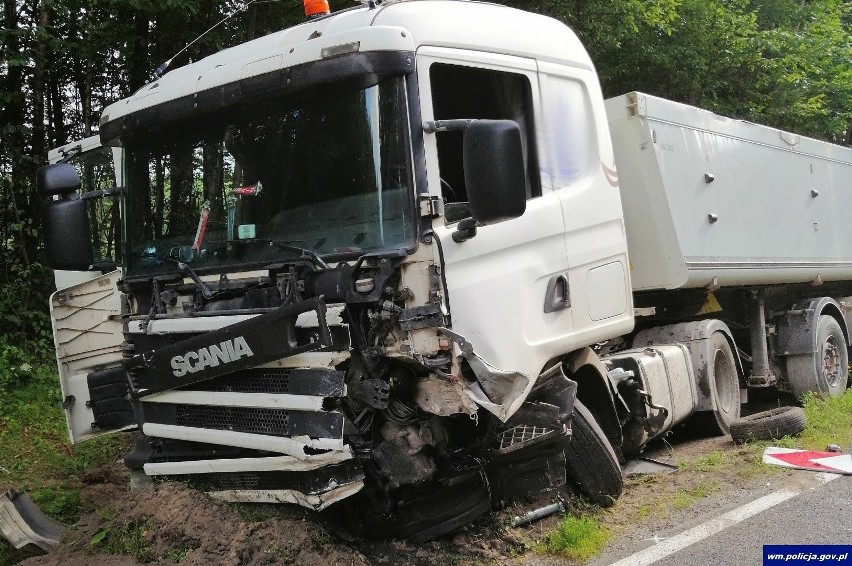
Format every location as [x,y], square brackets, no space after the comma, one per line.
[826,477]
[667,546]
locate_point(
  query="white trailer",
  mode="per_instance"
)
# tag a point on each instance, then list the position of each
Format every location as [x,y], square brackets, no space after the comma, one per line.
[712,202]
[751,215]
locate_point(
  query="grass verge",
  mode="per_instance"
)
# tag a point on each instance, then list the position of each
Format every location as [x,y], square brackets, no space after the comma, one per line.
[36,455]
[579,538]
[829,422]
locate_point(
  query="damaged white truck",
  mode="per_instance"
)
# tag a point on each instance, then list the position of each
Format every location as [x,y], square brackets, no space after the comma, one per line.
[406,260]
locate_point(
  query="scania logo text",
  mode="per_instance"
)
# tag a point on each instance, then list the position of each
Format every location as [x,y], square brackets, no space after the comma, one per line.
[211,356]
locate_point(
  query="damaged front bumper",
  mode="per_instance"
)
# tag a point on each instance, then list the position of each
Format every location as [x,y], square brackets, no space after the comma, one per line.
[261,427]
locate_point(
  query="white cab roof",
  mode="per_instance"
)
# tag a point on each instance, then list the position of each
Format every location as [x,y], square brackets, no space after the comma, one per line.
[397,26]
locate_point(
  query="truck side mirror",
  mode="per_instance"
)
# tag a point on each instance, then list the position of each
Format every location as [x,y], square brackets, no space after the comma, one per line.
[58,179]
[494,171]
[67,238]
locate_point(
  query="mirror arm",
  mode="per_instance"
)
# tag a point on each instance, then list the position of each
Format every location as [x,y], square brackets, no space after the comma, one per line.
[465,230]
[104,267]
[433,126]
[113,192]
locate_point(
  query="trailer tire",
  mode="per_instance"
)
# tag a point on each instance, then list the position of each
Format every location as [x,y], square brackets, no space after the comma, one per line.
[724,385]
[769,425]
[825,370]
[590,461]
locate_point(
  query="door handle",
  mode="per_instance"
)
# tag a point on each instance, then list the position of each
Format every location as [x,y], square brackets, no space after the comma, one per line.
[558,294]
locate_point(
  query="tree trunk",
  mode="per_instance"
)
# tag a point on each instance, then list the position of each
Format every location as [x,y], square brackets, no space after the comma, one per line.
[214,187]
[13,119]
[159,197]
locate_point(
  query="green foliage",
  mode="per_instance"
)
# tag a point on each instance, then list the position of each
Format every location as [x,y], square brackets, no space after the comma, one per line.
[577,537]
[781,63]
[320,536]
[829,421]
[25,343]
[282,552]
[62,502]
[35,454]
[709,461]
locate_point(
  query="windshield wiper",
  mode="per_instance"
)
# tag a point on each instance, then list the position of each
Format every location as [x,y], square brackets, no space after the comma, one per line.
[303,252]
[206,292]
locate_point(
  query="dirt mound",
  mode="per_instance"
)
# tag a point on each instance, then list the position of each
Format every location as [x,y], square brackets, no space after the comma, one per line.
[171,523]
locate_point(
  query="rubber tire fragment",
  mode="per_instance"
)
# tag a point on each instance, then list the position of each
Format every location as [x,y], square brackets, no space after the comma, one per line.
[769,425]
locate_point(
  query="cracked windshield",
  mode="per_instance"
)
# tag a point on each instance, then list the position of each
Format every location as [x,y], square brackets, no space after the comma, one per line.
[331,176]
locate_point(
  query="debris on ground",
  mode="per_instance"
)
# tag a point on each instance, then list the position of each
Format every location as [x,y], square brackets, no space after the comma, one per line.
[25,526]
[540,513]
[811,460]
[643,466]
[769,425]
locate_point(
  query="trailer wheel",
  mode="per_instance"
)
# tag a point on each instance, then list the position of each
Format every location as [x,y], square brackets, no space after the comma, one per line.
[590,461]
[824,371]
[724,388]
[769,425]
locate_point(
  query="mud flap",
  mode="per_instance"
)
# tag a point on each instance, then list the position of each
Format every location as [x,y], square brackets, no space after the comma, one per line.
[25,527]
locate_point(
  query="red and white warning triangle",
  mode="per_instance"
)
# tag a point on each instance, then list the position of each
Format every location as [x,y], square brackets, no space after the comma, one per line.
[812,460]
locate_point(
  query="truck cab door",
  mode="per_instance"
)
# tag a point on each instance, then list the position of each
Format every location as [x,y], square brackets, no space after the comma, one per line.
[85,310]
[506,286]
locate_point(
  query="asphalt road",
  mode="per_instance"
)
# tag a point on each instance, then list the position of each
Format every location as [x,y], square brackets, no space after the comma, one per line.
[806,508]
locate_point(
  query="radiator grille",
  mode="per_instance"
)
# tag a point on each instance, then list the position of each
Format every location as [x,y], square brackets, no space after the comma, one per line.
[319,382]
[256,421]
[253,381]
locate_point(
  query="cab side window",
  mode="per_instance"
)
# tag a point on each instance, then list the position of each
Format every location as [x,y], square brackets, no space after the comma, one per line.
[460,92]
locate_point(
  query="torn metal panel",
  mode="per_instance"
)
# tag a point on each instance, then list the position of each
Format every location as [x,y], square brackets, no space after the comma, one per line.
[25,526]
[316,359]
[333,317]
[499,392]
[267,464]
[295,446]
[315,502]
[309,488]
[185,325]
